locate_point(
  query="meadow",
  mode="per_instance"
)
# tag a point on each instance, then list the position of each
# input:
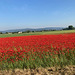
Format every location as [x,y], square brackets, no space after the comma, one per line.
[38,33]
[37,50]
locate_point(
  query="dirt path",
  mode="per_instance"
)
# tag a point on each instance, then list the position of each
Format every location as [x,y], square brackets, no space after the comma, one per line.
[68,70]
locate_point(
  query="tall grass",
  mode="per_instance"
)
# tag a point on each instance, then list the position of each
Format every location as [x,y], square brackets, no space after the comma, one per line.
[34,60]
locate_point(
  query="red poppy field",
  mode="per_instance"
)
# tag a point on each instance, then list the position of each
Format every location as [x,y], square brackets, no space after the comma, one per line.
[37,51]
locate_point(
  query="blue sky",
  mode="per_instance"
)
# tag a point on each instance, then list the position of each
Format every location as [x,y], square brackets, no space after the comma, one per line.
[15,14]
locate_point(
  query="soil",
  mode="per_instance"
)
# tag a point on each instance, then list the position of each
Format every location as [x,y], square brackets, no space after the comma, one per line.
[67,70]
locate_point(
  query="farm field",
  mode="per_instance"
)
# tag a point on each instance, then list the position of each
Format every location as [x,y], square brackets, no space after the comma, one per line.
[38,33]
[37,51]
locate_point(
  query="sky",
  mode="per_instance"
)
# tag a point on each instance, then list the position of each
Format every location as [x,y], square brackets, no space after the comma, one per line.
[18,14]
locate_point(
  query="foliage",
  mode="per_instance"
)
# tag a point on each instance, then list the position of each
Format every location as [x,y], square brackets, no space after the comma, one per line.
[0,32]
[70,27]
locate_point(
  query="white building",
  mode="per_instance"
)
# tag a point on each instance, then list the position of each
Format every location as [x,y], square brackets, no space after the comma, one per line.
[20,32]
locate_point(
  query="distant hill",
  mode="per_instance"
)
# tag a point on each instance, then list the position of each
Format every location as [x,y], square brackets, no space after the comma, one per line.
[33,29]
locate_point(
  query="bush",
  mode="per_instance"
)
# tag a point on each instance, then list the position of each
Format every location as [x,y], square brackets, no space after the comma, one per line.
[0,32]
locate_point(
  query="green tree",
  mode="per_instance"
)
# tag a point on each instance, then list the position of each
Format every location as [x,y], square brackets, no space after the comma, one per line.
[70,27]
[27,31]
[0,32]
[6,32]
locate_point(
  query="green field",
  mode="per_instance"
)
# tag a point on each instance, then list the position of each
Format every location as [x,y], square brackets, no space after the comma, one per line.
[38,33]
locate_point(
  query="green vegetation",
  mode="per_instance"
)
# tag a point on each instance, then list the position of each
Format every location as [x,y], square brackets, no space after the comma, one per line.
[0,32]
[38,33]
[70,27]
[46,59]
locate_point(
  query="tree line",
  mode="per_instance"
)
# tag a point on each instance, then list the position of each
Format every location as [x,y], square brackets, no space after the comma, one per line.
[70,27]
